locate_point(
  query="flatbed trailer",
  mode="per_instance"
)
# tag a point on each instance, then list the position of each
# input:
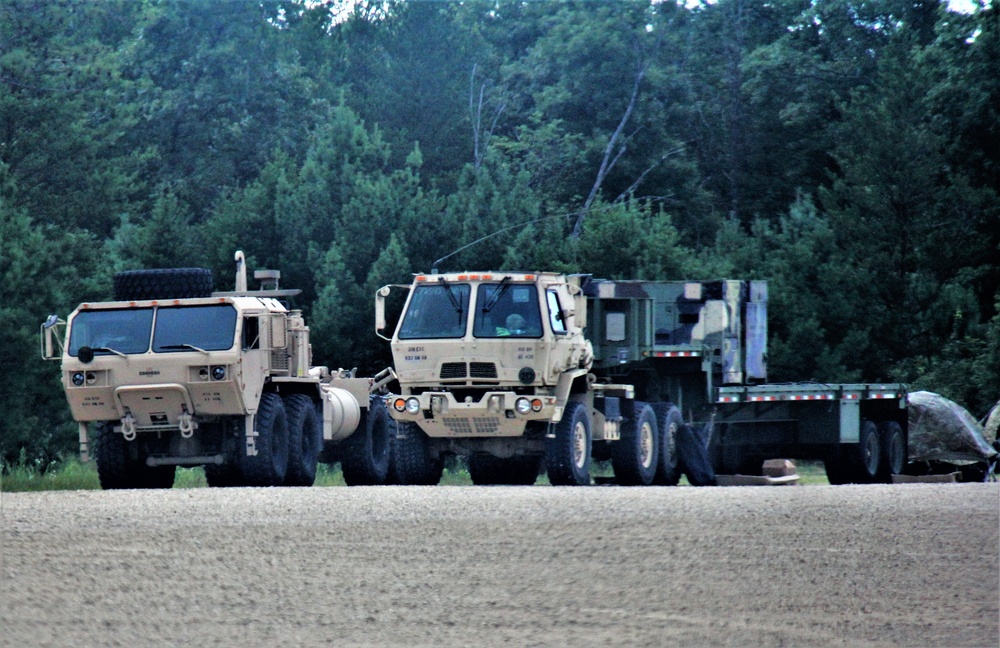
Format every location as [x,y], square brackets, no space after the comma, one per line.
[702,346]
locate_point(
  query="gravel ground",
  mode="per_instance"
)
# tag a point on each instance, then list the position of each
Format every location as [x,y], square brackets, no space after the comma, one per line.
[914,565]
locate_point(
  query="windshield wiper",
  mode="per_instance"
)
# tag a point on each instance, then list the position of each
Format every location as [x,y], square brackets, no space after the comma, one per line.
[184,346]
[456,304]
[497,294]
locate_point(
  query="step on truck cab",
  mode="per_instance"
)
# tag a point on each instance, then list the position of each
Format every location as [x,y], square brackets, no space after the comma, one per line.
[171,373]
[523,371]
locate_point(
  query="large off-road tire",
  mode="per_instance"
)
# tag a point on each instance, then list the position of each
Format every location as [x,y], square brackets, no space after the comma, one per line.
[487,470]
[269,465]
[635,455]
[669,422]
[410,457]
[224,476]
[364,457]
[305,436]
[115,468]
[893,446]
[157,476]
[119,466]
[165,283]
[567,456]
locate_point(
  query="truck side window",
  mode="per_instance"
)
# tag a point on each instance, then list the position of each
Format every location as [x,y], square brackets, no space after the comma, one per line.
[555,312]
[251,333]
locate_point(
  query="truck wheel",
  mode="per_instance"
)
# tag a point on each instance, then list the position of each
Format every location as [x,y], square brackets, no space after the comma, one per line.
[224,476]
[365,455]
[669,421]
[165,283]
[634,456]
[893,447]
[304,439]
[486,470]
[567,456]
[269,465]
[156,476]
[115,467]
[412,463]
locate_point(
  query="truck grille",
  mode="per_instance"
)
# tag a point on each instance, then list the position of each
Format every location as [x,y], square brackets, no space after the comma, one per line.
[452,370]
[468,427]
[482,370]
[279,361]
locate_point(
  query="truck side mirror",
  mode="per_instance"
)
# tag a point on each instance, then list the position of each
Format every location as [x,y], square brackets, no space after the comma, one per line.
[51,338]
[380,323]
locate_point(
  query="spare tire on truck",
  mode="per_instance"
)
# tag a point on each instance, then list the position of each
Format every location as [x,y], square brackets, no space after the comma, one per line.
[164,283]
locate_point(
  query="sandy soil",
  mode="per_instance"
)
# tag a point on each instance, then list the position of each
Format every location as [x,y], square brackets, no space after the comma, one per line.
[914,565]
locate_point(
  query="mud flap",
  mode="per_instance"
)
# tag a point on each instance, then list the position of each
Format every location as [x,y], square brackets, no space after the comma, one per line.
[692,456]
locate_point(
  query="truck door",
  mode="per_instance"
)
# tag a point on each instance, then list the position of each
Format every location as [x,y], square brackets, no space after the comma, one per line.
[254,347]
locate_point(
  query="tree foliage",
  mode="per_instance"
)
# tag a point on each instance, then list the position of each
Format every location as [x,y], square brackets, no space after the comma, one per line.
[847,151]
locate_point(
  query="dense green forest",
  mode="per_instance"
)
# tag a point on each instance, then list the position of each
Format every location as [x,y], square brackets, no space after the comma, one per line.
[846,150]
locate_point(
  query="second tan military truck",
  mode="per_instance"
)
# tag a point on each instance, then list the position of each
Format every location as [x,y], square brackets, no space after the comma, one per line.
[523,372]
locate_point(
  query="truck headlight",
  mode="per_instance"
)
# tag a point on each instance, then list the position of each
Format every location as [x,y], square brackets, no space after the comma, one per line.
[218,372]
[79,378]
[522,405]
[412,405]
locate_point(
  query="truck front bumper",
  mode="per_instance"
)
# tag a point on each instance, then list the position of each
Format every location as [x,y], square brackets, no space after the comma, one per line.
[496,414]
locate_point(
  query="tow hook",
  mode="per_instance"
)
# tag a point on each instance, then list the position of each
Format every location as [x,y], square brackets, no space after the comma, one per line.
[185,424]
[128,427]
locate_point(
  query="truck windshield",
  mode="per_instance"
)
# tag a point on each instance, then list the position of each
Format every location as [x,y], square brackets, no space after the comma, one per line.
[205,328]
[107,331]
[436,311]
[507,310]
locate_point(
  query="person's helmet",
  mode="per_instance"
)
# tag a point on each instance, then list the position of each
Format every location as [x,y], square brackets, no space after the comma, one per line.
[515,322]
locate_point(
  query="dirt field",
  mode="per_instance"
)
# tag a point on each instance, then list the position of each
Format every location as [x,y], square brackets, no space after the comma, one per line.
[913,565]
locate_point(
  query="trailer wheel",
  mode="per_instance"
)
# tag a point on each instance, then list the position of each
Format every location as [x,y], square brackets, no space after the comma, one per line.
[304,439]
[164,283]
[410,456]
[486,470]
[868,457]
[669,421]
[567,456]
[634,457]
[856,463]
[269,465]
[837,470]
[365,454]
[893,447]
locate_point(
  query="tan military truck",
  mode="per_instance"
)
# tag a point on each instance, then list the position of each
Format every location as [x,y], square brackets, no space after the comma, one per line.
[519,371]
[172,373]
